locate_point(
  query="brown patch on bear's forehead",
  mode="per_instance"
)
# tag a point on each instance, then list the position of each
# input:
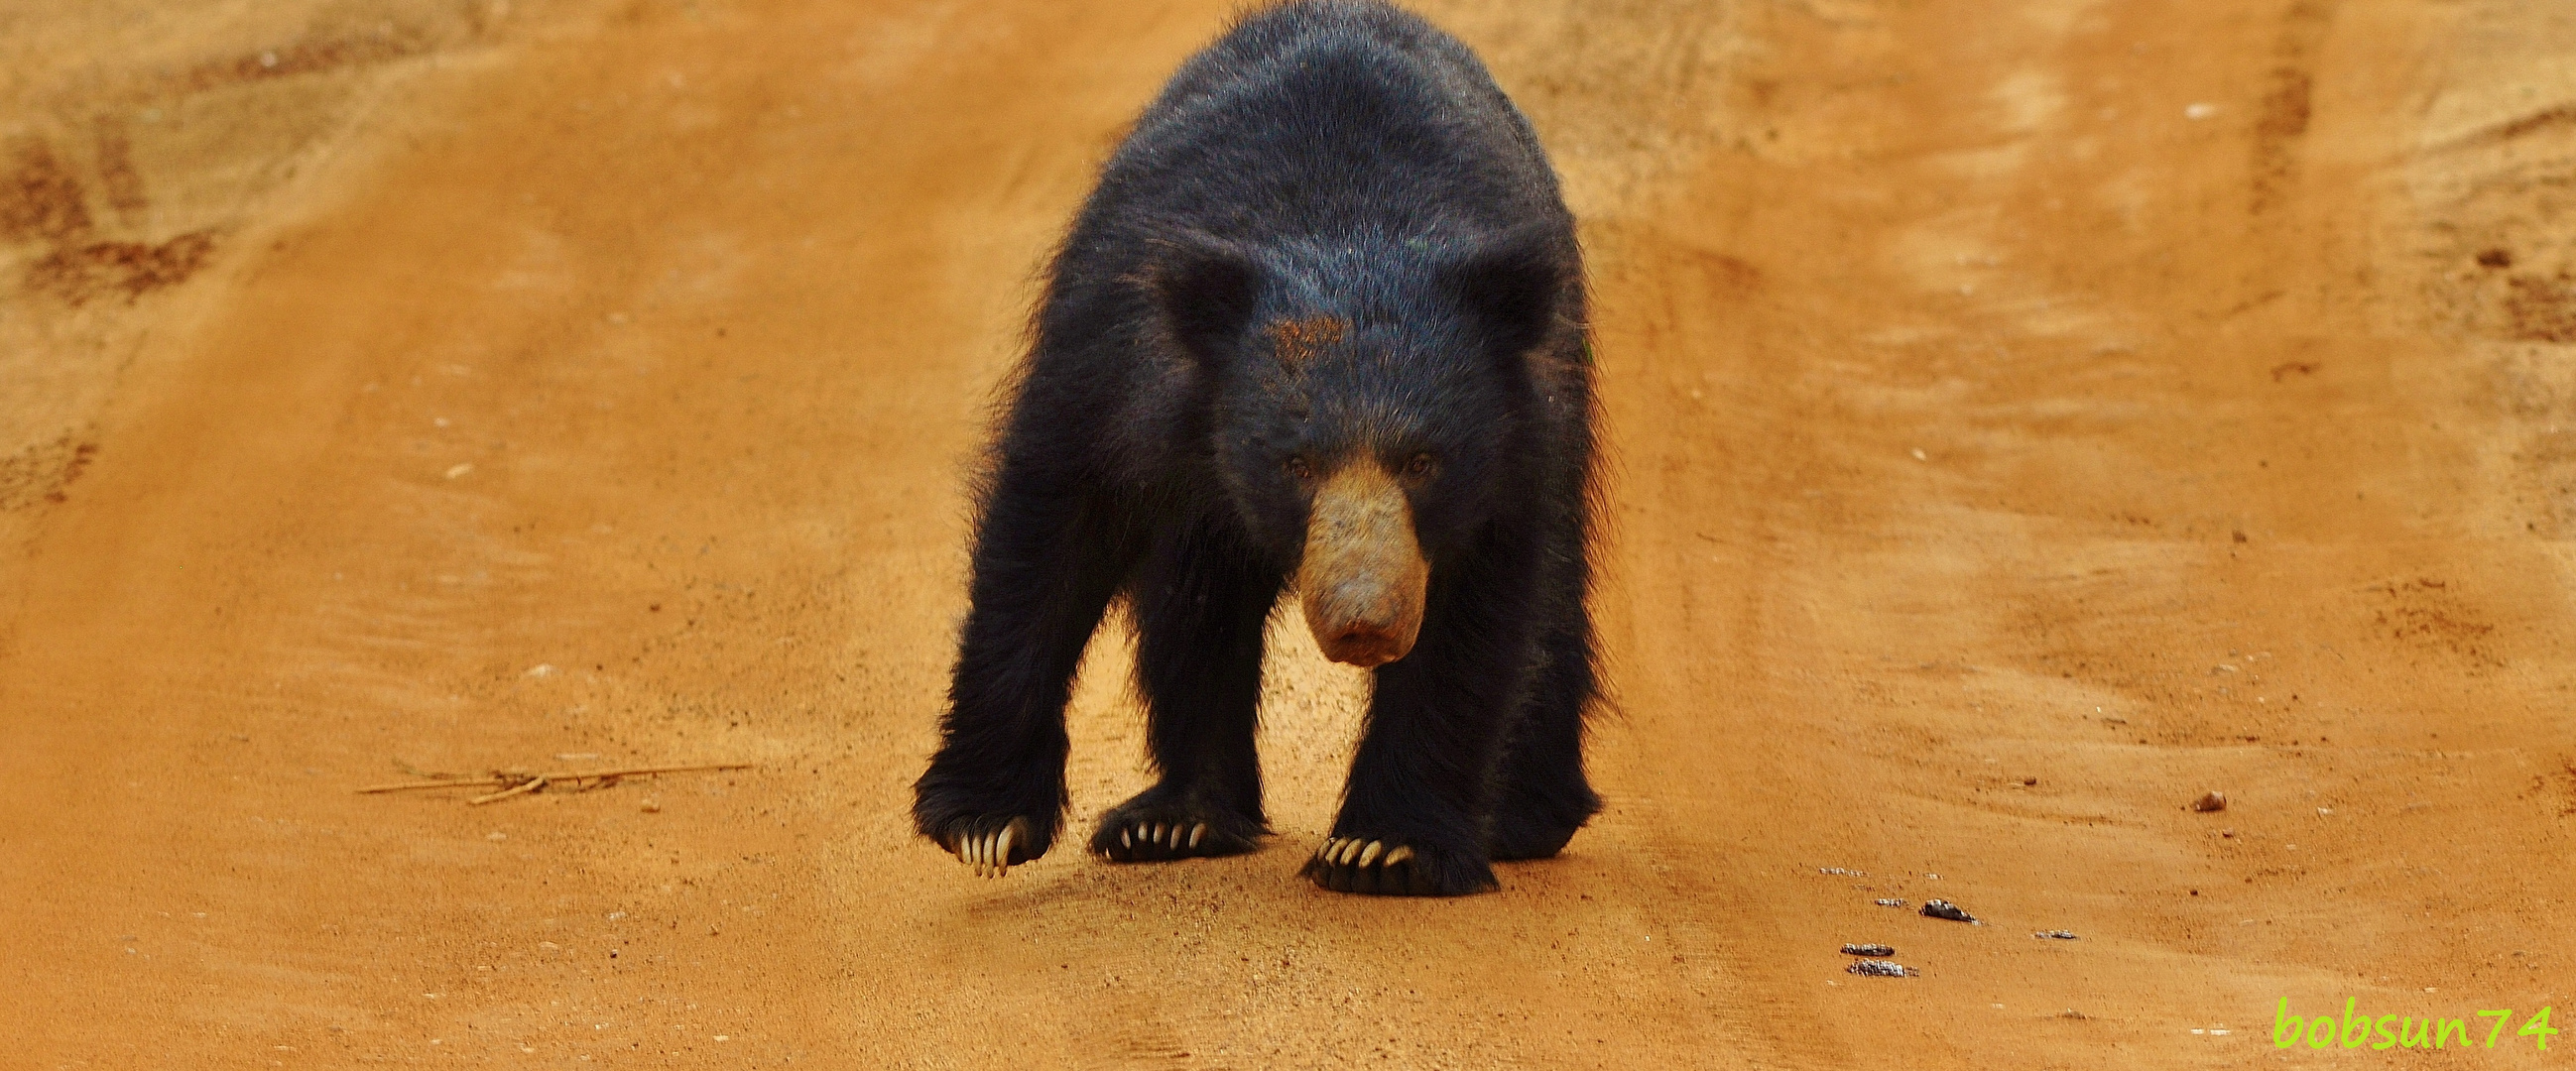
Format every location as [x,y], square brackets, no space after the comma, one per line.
[1298,340]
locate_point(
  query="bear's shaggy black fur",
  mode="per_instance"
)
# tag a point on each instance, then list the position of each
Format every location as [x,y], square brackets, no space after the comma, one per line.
[1331,241]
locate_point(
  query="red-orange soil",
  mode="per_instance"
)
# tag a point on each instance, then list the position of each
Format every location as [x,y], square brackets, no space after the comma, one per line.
[2026,418]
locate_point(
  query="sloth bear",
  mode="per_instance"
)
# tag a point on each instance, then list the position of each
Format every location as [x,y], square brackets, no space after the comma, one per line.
[1321,326]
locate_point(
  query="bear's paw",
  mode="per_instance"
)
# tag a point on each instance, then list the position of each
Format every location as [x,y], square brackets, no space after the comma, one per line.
[1385,867]
[990,845]
[1151,828]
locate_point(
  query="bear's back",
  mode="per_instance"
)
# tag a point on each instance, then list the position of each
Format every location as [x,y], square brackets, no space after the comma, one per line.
[1328,120]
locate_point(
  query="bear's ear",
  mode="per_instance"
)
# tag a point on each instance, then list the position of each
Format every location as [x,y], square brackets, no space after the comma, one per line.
[1205,287]
[1508,285]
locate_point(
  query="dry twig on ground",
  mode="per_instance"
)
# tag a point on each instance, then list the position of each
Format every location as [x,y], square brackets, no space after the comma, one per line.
[516,782]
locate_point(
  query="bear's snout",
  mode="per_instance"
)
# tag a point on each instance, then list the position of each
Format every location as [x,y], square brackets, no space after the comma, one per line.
[1363,577]
[1366,644]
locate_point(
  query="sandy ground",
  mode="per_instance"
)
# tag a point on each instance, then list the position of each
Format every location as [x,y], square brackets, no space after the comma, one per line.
[2027,418]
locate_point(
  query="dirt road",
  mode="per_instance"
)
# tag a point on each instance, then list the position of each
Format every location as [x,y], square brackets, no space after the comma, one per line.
[2027,418]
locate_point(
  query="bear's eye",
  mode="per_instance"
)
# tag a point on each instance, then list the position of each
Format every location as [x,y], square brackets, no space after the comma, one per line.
[1298,468]
[1419,466]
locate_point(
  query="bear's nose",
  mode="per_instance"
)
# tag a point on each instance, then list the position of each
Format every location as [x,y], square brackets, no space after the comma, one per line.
[1367,644]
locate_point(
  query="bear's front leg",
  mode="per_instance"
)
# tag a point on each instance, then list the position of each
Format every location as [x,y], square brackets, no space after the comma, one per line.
[1046,564]
[1200,603]
[1414,815]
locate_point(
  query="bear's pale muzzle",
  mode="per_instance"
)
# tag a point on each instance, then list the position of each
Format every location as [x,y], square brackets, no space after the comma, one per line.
[1363,578]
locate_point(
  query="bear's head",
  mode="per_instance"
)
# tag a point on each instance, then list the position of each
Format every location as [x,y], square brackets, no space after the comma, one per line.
[1370,407]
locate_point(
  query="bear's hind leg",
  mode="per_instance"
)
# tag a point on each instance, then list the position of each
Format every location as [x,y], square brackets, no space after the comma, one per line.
[1544,796]
[1541,794]
[1200,604]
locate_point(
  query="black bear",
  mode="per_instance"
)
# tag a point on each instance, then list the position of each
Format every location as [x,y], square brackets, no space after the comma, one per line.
[1321,326]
